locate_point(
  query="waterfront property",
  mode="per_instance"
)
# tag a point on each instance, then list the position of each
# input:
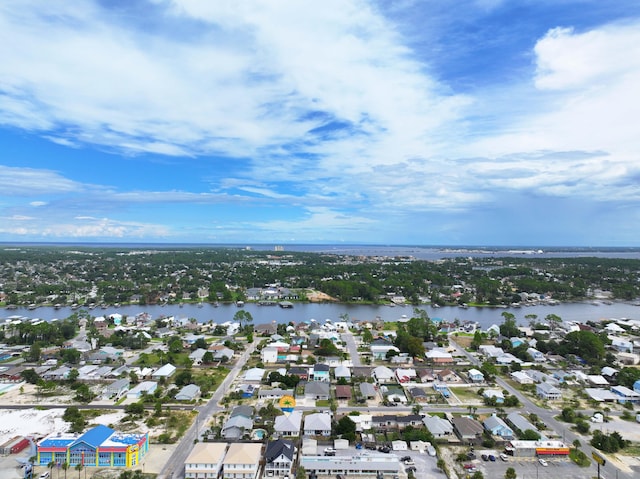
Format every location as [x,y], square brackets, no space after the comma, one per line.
[98,447]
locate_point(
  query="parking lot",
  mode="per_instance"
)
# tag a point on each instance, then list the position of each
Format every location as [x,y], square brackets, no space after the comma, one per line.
[532,469]
[425,465]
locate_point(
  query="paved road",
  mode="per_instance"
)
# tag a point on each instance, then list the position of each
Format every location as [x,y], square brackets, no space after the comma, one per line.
[352,348]
[174,468]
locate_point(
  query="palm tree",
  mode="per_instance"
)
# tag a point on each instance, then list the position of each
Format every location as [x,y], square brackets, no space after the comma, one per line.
[50,466]
[65,466]
[79,468]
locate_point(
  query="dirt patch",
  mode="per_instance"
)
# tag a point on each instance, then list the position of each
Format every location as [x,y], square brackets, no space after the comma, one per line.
[319,297]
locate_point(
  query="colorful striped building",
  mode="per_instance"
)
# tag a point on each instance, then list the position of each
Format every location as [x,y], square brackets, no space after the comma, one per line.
[98,447]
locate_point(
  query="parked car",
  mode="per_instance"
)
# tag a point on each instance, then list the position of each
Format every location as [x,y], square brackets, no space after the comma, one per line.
[469,466]
[543,462]
[371,447]
[485,457]
[471,455]
[503,456]
[409,462]
[410,469]
[329,451]
[492,458]
[405,458]
[384,449]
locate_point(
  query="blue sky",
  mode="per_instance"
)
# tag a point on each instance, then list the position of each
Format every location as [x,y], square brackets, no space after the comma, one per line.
[485,122]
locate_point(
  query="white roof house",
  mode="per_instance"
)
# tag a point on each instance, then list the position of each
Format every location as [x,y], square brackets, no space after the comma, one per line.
[382,373]
[205,458]
[254,375]
[317,424]
[145,387]
[288,426]
[190,392]
[165,371]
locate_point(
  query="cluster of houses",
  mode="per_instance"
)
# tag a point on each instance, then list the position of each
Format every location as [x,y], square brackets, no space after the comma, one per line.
[295,429]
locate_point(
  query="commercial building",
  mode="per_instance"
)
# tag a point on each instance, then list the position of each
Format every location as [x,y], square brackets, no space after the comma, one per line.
[98,447]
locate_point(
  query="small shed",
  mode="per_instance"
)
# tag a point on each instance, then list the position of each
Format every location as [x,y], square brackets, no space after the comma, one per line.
[399,445]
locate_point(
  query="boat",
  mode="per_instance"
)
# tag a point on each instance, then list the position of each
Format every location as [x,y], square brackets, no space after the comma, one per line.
[239,304]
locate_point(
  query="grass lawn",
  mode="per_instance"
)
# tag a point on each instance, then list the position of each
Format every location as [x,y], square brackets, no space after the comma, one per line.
[466,393]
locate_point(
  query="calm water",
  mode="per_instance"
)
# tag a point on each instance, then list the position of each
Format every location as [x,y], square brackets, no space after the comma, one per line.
[304,312]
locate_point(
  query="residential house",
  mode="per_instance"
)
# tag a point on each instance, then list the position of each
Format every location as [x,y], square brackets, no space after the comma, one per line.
[343,392]
[274,393]
[165,372]
[413,420]
[242,461]
[380,347]
[302,373]
[342,371]
[508,358]
[145,387]
[254,375]
[622,345]
[382,374]
[520,424]
[439,356]
[405,375]
[467,429]
[236,427]
[368,390]
[269,355]
[317,424]
[437,426]
[418,394]
[242,410]
[321,373]
[426,375]
[266,329]
[490,351]
[116,389]
[221,352]
[448,376]
[317,390]
[495,394]
[498,427]
[288,425]
[205,460]
[190,392]
[279,456]
[57,374]
[548,391]
[521,377]
[626,395]
[536,355]
[475,376]
[197,355]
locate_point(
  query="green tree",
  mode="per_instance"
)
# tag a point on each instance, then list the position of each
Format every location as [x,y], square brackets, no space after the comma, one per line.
[243,317]
[70,355]
[627,376]
[510,473]
[367,336]
[509,328]
[346,428]
[83,394]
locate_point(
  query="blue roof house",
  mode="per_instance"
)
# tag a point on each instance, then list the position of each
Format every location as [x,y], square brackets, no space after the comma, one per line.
[498,427]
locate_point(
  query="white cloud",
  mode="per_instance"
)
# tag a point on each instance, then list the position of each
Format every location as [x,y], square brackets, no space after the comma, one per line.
[586,103]
[81,227]
[16,181]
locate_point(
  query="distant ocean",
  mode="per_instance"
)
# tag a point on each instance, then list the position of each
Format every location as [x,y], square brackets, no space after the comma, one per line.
[414,251]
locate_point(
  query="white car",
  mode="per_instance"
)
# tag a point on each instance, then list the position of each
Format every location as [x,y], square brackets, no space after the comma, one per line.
[504,457]
[543,462]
